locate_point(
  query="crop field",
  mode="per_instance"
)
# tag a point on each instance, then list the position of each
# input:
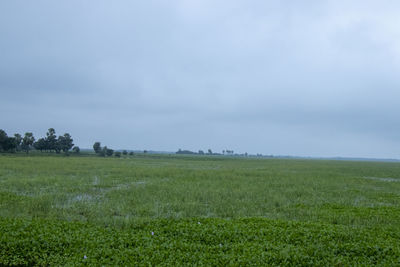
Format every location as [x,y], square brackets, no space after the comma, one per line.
[197,210]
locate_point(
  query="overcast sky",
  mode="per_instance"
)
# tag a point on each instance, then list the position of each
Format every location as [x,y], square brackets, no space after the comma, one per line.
[307,78]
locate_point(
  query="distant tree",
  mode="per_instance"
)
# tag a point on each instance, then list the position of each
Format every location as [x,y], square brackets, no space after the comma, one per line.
[40,144]
[117,154]
[223,152]
[125,152]
[106,152]
[76,150]
[230,152]
[64,143]
[109,152]
[18,141]
[102,152]
[144,151]
[9,144]
[97,147]
[57,147]
[3,140]
[27,142]
[131,153]
[209,151]
[51,140]
[180,151]
[201,152]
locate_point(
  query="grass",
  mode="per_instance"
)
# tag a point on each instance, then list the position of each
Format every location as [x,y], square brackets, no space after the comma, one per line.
[355,204]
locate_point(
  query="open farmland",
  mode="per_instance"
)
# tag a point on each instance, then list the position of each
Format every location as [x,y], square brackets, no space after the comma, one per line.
[182,210]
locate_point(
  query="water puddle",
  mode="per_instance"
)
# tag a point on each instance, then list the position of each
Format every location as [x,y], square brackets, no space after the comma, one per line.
[382,179]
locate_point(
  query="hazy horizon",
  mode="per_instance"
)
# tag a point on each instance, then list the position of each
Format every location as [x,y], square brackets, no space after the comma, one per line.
[318,79]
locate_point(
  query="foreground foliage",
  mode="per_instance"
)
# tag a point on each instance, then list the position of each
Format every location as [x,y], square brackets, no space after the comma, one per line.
[249,241]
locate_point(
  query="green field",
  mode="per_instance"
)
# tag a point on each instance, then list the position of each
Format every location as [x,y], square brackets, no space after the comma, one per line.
[204,210]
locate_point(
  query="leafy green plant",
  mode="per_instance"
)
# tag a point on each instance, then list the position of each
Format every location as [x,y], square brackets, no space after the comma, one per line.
[250,241]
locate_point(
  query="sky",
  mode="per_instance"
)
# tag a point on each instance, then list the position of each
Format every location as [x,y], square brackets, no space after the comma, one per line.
[302,78]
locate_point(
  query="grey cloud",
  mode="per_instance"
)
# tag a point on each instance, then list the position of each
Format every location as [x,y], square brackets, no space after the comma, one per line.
[276,77]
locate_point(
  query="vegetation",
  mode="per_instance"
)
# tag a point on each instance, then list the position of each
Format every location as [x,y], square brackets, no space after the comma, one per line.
[205,241]
[187,152]
[97,147]
[201,210]
[7,143]
[102,152]
[109,152]
[76,150]
[28,142]
[209,152]
[50,143]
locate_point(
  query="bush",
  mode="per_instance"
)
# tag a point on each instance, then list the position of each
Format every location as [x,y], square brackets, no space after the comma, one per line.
[109,152]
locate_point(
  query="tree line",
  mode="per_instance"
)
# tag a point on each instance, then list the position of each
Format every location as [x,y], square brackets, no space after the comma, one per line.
[201,152]
[64,143]
[105,151]
[49,143]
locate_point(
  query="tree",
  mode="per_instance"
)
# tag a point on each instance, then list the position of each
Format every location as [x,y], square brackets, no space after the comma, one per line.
[51,140]
[27,142]
[131,153]
[102,152]
[18,141]
[9,144]
[118,154]
[76,150]
[106,152]
[125,152]
[3,140]
[109,152]
[201,152]
[209,151]
[180,151]
[64,143]
[97,147]
[40,144]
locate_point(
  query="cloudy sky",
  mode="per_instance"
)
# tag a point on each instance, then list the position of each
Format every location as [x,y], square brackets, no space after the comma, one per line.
[307,78]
